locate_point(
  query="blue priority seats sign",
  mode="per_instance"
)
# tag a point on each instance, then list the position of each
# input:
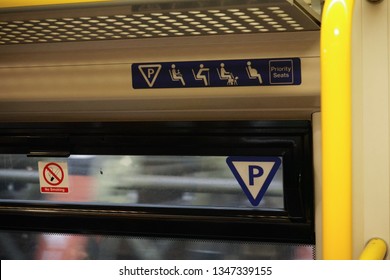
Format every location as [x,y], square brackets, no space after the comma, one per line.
[217,73]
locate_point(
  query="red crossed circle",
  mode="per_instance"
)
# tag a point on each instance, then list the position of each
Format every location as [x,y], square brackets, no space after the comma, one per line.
[53,174]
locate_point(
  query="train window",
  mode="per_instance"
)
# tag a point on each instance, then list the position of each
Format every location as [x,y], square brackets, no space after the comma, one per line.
[159,181]
[48,246]
[137,180]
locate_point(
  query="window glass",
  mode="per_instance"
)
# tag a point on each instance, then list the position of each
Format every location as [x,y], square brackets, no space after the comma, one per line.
[43,246]
[204,181]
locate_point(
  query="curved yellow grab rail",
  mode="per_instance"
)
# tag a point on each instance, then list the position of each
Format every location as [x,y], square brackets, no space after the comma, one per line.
[336,128]
[375,249]
[28,3]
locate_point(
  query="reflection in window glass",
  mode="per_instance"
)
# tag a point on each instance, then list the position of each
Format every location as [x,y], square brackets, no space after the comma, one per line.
[41,246]
[137,180]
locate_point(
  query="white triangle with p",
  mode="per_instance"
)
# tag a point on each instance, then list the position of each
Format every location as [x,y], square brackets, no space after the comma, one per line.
[150,72]
[254,174]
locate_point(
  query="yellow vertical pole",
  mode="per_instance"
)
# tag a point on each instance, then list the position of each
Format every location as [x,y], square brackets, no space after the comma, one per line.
[336,128]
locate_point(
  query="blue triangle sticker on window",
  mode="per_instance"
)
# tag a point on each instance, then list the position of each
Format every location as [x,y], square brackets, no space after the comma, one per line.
[254,174]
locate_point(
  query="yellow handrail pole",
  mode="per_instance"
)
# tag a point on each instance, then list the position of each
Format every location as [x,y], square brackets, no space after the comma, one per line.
[29,3]
[336,128]
[375,249]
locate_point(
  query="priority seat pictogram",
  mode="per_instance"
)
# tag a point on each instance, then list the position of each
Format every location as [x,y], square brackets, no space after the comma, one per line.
[254,174]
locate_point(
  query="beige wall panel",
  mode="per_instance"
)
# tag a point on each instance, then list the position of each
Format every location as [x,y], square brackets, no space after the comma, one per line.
[95,77]
[371,123]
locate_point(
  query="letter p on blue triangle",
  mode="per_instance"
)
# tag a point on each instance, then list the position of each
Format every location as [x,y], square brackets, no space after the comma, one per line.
[254,174]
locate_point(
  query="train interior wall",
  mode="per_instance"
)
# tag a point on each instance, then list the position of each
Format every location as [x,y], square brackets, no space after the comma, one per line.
[91,81]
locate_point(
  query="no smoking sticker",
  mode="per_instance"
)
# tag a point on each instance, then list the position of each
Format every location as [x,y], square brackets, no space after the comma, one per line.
[53,177]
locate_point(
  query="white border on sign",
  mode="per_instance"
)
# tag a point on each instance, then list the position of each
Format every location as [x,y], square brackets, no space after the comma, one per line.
[47,188]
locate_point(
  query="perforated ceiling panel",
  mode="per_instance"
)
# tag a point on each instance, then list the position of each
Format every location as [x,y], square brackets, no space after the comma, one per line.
[154,21]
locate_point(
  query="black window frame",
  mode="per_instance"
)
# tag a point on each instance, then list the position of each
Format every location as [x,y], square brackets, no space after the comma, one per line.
[290,140]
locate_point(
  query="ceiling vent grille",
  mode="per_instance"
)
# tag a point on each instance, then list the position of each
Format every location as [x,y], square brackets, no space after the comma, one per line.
[244,18]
